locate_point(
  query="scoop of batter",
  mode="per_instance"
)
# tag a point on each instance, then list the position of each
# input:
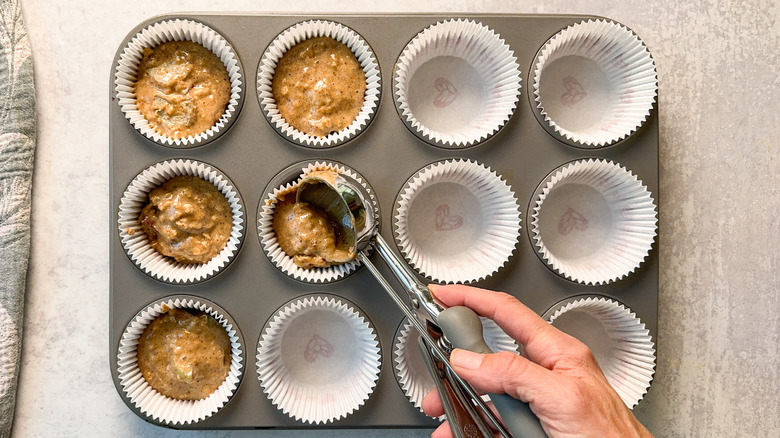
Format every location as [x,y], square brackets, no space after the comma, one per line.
[319,86]
[307,235]
[188,219]
[184,354]
[183,88]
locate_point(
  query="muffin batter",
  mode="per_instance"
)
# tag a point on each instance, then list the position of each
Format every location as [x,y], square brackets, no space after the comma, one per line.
[184,354]
[306,234]
[188,219]
[182,88]
[319,86]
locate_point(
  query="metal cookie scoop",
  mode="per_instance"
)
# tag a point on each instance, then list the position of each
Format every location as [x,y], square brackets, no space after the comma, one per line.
[348,203]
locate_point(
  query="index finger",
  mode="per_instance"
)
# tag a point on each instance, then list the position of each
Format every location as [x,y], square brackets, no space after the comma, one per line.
[541,342]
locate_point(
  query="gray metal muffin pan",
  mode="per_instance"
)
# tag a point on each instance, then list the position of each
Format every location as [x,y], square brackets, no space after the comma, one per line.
[386,153]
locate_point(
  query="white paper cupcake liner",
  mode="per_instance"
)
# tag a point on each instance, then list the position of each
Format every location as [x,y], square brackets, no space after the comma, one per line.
[595,83]
[296,34]
[267,235]
[176,30]
[410,371]
[618,339]
[593,221]
[147,400]
[318,359]
[136,242]
[456,221]
[456,83]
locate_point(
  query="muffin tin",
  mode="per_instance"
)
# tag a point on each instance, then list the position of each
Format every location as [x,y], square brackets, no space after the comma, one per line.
[252,153]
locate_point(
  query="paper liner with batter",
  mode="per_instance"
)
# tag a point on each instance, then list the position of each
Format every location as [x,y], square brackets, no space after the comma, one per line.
[136,243]
[456,221]
[267,235]
[456,83]
[125,76]
[410,371]
[159,407]
[318,359]
[620,342]
[296,34]
[593,221]
[594,83]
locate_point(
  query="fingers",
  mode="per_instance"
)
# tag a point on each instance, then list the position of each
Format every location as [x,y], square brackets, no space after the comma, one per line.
[541,341]
[504,372]
[431,404]
[443,431]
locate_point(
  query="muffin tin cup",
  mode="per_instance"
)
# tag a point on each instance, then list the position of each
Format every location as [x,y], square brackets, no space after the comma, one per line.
[136,243]
[297,34]
[593,221]
[160,408]
[594,83]
[410,371]
[318,359]
[284,185]
[126,71]
[456,221]
[456,83]
[618,339]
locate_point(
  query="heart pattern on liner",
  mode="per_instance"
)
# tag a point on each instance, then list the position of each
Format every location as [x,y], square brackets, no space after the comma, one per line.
[445,221]
[447,92]
[570,220]
[574,91]
[316,348]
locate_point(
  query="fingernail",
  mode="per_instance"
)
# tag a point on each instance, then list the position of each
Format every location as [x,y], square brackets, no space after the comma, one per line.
[466,359]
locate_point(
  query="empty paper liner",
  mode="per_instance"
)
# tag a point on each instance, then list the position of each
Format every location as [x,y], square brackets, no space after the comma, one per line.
[620,342]
[456,221]
[594,83]
[456,83]
[593,221]
[318,359]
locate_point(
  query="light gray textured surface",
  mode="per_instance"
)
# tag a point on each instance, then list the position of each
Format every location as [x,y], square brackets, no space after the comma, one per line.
[717,372]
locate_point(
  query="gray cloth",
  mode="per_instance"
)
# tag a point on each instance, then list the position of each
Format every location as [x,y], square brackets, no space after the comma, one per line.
[17,151]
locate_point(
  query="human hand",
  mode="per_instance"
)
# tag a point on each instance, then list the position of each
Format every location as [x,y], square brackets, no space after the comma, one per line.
[559,376]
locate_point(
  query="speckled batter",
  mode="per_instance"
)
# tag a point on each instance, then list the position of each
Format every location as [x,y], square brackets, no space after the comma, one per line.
[319,86]
[184,354]
[187,218]
[306,234]
[182,88]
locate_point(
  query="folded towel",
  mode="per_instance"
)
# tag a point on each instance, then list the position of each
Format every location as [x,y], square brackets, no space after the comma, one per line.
[17,151]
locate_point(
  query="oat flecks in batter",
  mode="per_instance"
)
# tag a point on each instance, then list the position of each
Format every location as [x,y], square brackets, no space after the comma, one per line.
[183,88]
[184,354]
[319,86]
[187,218]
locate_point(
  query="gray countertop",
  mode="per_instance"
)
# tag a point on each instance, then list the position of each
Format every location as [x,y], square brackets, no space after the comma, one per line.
[717,368]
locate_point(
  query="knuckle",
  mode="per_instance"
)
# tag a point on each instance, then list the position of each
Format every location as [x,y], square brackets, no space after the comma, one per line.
[505,299]
[581,353]
[510,364]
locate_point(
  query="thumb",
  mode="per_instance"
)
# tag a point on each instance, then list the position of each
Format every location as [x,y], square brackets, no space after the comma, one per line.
[502,373]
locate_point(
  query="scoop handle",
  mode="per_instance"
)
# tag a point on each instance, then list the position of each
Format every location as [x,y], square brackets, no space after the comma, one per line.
[463,329]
